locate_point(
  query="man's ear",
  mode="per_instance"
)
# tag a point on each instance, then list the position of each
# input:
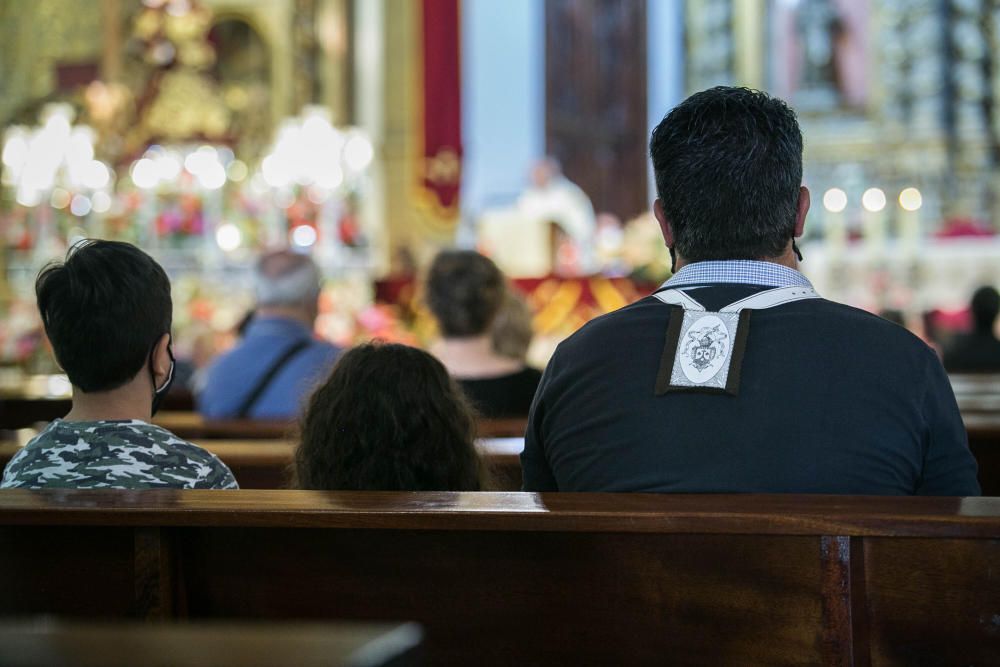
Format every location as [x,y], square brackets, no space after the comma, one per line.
[803,211]
[161,360]
[661,217]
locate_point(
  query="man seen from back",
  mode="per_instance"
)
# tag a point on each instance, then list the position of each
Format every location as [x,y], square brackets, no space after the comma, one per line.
[279,360]
[736,376]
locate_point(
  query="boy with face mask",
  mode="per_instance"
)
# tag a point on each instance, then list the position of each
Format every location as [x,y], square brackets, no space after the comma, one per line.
[107,312]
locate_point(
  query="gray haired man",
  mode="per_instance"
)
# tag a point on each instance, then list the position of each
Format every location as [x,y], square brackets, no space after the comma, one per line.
[270,371]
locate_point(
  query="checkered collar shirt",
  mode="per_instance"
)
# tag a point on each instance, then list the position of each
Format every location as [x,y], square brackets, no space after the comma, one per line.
[738,271]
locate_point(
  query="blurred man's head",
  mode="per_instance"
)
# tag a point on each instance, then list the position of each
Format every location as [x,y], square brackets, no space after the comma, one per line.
[287,283]
[728,167]
[985,307]
[107,312]
[545,171]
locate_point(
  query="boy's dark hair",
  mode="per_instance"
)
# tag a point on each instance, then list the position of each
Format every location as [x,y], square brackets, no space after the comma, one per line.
[464,291]
[389,418]
[103,310]
[728,167]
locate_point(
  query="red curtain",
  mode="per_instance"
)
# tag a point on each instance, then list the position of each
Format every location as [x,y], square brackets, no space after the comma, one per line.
[441,109]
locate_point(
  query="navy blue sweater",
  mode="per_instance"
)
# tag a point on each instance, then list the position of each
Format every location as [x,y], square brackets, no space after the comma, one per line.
[832,400]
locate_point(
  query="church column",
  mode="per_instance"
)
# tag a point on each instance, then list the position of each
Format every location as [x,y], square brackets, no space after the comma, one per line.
[111,54]
[333,32]
[749,38]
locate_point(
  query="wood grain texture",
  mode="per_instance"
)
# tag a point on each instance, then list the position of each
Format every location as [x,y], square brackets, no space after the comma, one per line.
[42,571]
[154,573]
[565,512]
[522,578]
[192,426]
[528,598]
[266,464]
[934,602]
[207,644]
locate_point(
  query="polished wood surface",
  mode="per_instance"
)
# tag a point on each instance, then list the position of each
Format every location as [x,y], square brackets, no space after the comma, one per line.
[984,442]
[266,464]
[208,644]
[192,426]
[777,514]
[21,412]
[517,578]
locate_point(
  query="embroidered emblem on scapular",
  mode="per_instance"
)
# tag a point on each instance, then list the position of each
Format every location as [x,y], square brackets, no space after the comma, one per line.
[704,350]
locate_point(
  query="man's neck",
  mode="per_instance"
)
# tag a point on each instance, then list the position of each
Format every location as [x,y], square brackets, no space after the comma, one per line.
[133,401]
[786,259]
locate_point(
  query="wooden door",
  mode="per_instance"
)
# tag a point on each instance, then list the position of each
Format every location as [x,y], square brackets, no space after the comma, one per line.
[595,117]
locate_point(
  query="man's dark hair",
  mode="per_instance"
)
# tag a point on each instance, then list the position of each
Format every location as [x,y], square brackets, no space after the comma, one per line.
[389,418]
[103,309]
[464,291]
[985,307]
[728,167]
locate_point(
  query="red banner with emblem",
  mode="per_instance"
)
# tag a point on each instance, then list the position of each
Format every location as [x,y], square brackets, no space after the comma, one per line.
[440,167]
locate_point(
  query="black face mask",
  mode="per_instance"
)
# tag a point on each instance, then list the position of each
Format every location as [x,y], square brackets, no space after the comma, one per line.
[159,393]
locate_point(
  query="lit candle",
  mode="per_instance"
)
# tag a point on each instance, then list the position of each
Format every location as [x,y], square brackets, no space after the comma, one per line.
[873,221]
[835,227]
[910,231]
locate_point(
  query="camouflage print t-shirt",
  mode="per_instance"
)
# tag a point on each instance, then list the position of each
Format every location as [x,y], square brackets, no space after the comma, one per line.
[124,454]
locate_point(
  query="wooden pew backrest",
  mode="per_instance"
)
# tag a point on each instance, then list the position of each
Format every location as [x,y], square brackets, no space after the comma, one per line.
[515,578]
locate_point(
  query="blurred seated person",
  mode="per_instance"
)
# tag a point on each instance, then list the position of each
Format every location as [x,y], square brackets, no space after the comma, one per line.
[554,199]
[465,291]
[978,351]
[107,312]
[389,418]
[278,361]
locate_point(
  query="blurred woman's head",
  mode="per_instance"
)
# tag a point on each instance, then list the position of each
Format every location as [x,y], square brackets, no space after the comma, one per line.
[464,291]
[388,418]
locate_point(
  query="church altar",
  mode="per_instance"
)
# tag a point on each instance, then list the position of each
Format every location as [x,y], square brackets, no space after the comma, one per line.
[935,274]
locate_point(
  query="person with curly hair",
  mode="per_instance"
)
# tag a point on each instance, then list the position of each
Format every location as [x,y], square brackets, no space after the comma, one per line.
[388,418]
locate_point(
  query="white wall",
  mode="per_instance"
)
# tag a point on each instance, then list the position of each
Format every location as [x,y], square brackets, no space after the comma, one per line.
[665,67]
[503,98]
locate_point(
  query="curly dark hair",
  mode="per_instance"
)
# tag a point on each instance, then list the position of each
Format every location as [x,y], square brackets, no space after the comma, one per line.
[464,291]
[388,418]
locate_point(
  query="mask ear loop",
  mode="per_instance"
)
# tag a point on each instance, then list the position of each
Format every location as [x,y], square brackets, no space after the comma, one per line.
[170,373]
[795,249]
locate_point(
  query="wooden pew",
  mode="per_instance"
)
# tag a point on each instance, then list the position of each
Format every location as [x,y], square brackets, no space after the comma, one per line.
[265,464]
[128,643]
[977,393]
[192,426]
[501,579]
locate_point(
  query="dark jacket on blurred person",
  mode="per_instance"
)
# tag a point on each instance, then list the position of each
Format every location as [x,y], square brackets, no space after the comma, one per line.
[978,351]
